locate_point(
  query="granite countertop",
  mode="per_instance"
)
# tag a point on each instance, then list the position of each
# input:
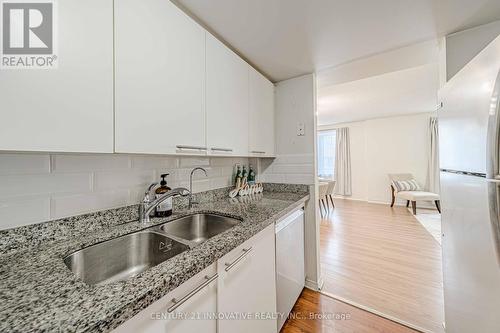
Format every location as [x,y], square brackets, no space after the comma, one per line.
[38,293]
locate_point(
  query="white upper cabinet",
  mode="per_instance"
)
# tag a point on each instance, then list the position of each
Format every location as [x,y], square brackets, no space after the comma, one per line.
[159,78]
[261,115]
[68,108]
[227,100]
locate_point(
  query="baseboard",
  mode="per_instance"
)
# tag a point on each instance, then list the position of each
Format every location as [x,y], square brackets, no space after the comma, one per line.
[378,313]
[348,198]
[314,285]
[420,204]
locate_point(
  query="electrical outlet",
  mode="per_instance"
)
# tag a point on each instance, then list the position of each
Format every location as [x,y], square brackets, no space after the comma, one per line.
[301,129]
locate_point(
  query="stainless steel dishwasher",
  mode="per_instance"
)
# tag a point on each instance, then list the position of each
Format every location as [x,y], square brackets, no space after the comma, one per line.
[290,275]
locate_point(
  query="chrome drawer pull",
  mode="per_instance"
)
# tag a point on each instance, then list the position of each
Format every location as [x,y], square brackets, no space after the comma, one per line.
[257,152]
[221,149]
[177,303]
[229,266]
[191,148]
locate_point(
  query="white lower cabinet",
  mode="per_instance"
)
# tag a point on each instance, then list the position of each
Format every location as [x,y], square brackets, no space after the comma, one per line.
[193,299]
[236,294]
[247,286]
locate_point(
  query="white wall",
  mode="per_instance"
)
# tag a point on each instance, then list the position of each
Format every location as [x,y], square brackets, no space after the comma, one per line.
[41,187]
[386,145]
[295,102]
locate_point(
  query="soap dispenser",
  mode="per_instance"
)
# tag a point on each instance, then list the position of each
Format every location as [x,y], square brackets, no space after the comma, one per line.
[165,208]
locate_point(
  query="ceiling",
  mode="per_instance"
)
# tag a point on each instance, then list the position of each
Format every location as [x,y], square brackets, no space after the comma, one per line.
[408,91]
[397,82]
[287,38]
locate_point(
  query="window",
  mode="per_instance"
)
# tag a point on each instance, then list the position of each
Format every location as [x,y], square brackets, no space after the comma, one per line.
[326,153]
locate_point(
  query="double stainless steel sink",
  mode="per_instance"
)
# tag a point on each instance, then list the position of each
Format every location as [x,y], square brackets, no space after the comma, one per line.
[129,255]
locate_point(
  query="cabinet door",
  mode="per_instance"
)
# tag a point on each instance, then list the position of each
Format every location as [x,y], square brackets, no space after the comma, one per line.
[261,115]
[160,78]
[195,298]
[247,284]
[68,108]
[227,100]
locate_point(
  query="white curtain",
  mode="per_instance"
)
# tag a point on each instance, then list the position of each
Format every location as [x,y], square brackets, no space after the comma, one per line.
[343,163]
[433,167]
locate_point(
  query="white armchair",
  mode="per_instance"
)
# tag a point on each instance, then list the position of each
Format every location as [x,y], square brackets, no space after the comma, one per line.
[404,186]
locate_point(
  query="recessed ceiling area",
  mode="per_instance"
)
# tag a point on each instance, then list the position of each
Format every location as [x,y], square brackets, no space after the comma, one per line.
[287,38]
[402,92]
[399,82]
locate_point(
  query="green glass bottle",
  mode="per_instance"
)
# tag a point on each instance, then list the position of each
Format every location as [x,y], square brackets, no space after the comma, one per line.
[238,175]
[244,172]
[251,175]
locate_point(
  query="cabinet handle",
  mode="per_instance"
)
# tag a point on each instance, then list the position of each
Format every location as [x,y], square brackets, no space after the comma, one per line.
[222,149]
[191,148]
[177,303]
[257,152]
[229,266]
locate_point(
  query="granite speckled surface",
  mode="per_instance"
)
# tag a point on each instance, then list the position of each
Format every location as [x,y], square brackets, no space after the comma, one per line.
[38,293]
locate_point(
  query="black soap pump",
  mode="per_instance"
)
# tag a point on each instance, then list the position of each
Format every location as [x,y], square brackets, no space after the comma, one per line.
[165,208]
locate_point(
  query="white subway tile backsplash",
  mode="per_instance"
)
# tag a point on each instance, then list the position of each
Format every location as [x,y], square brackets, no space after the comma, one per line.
[12,164]
[199,185]
[194,162]
[293,168]
[228,171]
[223,161]
[220,182]
[16,212]
[69,205]
[107,180]
[72,163]
[183,174]
[21,185]
[136,194]
[272,178]
[293,159]
[299,179]
[155,162]
[39,187]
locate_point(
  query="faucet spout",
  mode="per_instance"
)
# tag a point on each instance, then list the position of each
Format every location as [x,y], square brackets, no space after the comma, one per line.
[191,199]
[146,206]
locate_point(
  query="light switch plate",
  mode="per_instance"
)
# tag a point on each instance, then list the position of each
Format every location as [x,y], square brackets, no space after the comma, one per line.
[301,129]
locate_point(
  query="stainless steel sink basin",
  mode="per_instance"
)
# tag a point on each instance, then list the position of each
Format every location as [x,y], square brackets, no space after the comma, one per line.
[198,228]
[123,257]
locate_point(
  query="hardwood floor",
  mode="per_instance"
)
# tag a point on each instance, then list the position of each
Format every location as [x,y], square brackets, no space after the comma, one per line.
[383,259]
[342,318]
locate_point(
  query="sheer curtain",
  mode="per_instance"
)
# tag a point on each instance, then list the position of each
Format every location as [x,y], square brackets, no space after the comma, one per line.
[326,154]
[343,163]
[433,167]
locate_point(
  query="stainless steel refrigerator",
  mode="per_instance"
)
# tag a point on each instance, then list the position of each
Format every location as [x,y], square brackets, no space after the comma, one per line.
[469,148]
